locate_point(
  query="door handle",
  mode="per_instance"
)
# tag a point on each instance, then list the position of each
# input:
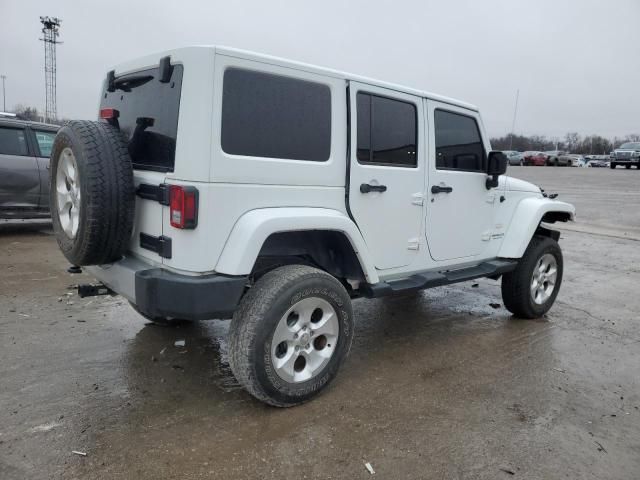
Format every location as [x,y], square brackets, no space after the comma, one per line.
[366,188]
[439,189]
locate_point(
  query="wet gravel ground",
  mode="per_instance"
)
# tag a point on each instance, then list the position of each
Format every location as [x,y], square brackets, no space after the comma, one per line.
[438,385]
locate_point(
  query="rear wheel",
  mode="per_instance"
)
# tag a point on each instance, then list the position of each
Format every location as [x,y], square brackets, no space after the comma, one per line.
[627,167]
[530,290]
[290,334]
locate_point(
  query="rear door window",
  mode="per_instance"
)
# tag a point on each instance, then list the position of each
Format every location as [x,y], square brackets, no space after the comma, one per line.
[458,142]
[148,116]
[387,131]
[13,141]
[275,116]
[45,142]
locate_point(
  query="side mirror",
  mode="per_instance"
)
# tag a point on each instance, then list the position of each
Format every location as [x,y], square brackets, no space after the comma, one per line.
[496,166]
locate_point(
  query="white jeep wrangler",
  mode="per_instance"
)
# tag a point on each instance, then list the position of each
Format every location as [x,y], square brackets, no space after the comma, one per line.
[220,183]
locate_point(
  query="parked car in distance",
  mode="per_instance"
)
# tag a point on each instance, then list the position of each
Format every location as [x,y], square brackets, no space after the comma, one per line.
[596,163]
[627,154]
[534,159]
[554,158]
[570,160]
[24,168]
[513,157]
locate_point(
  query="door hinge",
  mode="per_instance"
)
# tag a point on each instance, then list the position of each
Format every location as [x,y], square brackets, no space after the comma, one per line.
[414,244]
[491,197]
[486,236]
[158,193]
[161,245]
[417,199]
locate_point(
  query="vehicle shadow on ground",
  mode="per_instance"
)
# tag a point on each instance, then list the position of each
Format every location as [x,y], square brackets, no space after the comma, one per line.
[187,366]
[25,227]
[184,363]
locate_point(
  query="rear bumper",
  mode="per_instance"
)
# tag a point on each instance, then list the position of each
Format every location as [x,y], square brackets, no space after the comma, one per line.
[157,292]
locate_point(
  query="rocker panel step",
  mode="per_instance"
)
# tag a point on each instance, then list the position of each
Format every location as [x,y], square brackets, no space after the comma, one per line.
[421,281]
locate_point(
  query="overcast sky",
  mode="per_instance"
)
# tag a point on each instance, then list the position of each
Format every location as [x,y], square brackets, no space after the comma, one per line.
[576,62]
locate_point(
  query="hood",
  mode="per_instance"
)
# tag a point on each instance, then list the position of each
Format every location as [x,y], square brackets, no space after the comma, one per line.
[517,185]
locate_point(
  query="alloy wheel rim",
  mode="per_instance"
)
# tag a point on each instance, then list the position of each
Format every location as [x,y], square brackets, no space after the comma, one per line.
[68,192]
[543,279]
[304,340]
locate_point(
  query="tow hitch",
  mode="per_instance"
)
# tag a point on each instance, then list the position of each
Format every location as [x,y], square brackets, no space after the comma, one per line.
[91,290]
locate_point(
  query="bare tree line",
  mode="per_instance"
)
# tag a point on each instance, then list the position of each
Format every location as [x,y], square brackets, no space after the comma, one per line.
[573,142]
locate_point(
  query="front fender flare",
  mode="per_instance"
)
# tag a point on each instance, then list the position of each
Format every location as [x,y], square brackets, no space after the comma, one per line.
[524,222]
[254,227]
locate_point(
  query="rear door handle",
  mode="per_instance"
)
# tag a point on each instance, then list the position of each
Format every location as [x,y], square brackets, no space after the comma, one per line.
[366,188]
[439,189]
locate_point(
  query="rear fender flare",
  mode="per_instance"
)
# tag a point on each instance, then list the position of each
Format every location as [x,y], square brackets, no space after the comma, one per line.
[254,227]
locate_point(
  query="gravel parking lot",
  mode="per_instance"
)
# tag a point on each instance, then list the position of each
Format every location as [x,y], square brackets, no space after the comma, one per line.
[439,385]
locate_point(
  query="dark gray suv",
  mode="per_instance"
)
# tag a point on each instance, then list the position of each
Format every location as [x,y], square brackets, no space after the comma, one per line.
[24,168]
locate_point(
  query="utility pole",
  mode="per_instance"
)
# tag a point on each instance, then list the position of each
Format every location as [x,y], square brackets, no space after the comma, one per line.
[4,95]
[50,32]
[513,124]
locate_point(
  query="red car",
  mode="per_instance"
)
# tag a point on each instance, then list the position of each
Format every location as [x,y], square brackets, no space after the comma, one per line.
[536,159]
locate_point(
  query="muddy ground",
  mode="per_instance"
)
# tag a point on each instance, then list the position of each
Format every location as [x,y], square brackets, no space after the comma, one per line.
[439,385]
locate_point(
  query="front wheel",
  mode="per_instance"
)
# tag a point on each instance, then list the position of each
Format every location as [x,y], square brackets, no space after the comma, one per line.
[530,290]
[612,166]
[290,334]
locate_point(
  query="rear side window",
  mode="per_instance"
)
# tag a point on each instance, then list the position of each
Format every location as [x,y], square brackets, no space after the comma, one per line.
[274,116]
[13,141]
[387,131]
[45,142]
[148,116]
[458,143]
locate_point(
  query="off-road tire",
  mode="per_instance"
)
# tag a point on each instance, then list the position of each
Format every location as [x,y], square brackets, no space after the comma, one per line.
[516,285]
[254,323]
[107,199]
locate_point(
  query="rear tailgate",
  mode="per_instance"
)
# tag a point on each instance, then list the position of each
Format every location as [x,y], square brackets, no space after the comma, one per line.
[144,104]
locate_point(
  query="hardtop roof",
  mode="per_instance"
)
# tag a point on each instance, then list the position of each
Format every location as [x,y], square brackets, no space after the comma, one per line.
[260,57]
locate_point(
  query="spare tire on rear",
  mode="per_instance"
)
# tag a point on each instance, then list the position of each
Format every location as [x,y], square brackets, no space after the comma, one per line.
[91,192]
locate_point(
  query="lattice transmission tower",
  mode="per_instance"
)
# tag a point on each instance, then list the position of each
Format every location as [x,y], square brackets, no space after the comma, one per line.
[50,32]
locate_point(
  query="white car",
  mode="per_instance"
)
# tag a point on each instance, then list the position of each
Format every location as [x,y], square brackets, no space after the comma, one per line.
[221,183]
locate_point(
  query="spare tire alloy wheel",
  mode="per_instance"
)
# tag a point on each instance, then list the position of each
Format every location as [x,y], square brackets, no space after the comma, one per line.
[91,192]
[68,192]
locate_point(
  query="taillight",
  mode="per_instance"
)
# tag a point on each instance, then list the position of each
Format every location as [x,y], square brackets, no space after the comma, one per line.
[109,113]
[183,206]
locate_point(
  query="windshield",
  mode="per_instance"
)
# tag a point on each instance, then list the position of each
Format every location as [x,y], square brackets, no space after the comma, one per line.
[631,146]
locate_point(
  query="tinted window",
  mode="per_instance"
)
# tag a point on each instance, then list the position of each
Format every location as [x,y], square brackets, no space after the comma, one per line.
[148,116]
[265,115]
[387,131]
[45,142]
[13,141]
[458,142]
